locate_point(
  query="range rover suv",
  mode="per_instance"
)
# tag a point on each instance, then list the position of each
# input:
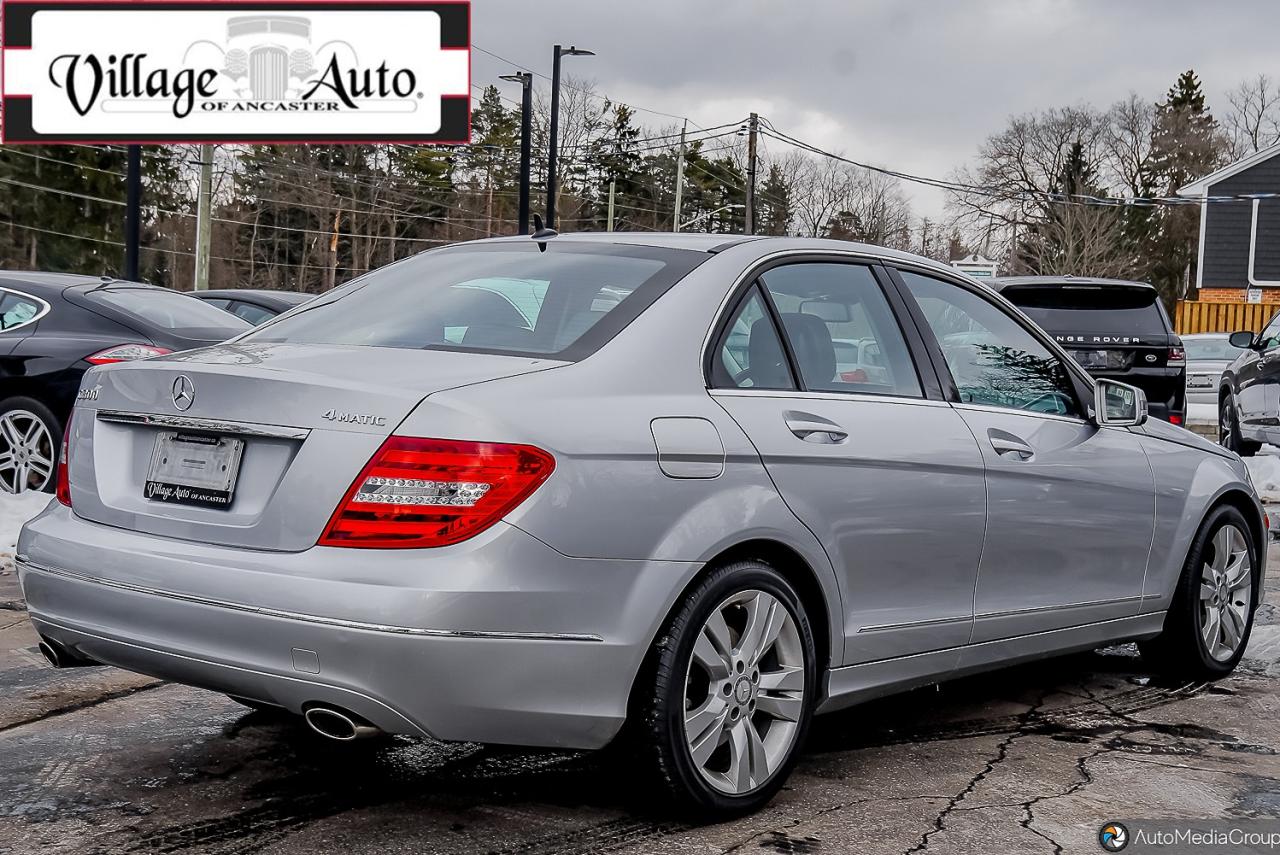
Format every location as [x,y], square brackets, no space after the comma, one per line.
[1115,329]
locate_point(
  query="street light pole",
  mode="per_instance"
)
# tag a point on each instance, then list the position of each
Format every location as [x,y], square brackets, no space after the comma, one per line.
[132,211]
[555,126]
[525,79]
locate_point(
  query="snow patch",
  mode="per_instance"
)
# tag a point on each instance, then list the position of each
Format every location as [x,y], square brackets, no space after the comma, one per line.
[1202,414]
[1264,470]
[14,511]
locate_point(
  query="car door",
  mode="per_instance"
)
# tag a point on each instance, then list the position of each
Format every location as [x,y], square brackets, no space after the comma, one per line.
[1070,505]
[868,457]
[1258,381]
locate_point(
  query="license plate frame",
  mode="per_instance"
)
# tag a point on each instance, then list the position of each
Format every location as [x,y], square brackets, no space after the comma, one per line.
[193,469]
[1198,382]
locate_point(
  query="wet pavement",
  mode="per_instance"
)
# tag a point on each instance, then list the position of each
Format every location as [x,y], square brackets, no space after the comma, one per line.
[1031,759]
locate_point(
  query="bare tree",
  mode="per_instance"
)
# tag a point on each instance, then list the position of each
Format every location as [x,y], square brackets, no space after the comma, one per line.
[1253,123]
[1127,143]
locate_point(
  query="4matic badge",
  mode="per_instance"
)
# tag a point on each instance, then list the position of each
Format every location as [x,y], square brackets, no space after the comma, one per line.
[354,418]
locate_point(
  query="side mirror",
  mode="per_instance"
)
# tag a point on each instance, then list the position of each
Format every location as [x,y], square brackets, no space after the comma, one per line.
[1242,340]
[1118,404]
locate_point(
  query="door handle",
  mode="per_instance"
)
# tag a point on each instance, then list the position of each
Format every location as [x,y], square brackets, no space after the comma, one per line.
[812,428]
[1007,445]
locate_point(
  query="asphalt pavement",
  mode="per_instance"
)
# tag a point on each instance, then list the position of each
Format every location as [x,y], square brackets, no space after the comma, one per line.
[1032,759]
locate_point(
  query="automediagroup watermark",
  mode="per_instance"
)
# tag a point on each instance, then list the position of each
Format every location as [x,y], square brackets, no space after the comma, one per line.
[1172,837]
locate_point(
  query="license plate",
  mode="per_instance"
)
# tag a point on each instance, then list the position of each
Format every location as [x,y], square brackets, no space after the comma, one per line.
[193,469]
[1091,358]
[1200,382]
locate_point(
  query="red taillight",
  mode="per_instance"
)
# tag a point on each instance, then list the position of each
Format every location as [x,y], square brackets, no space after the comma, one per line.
[1177,356]
[1175,419]
[126,353]
[63,488]
[433,492]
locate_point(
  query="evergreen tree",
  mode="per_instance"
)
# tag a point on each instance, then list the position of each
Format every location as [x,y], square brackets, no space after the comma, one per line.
[773,203]
[1186,143]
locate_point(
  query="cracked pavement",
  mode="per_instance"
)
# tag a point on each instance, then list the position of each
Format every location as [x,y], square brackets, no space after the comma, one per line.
[1036,758]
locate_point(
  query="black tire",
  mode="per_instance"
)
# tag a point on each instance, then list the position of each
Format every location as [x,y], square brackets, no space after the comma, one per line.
[1180,650]
[1229,430]
[660,731]
[50,448]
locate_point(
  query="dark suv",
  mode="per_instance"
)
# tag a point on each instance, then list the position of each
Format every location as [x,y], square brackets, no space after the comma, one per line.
[1114,329]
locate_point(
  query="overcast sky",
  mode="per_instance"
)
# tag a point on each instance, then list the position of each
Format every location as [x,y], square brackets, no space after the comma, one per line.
[911,84]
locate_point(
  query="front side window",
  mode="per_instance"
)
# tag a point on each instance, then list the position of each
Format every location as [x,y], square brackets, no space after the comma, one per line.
[564,301]
[1270,337]
[841,330]
[993,359]
[751,355]
[251,313]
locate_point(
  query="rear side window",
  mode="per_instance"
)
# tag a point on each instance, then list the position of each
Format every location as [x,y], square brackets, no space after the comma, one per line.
[751,355]
[513,298]
[170,310]
[17,310]
[842,332]
[251,313]
[1098,309]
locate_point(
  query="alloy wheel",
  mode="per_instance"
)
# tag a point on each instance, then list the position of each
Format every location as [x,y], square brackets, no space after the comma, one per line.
[1226,593]
[744,692]
[1224,424]
[27,452]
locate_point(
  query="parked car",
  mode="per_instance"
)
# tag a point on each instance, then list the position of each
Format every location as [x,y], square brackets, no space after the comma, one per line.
[55,326]
[1249,392]
[255,305]
[1114,329]
[1208,355]
[648,506]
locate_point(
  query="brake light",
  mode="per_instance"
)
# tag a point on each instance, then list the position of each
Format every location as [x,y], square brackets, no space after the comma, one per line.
[1175,419]
[63,479]
[1177,356]
[126,353]
[419,492]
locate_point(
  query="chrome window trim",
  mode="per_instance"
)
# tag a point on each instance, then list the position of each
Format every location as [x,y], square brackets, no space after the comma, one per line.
[992,408]
[44,308]
[28,565]
[212,425]
[870,397]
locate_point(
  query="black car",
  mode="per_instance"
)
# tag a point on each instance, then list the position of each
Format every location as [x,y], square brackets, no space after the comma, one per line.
[1114,329]
[255,305]
[53,326]
[1249,392]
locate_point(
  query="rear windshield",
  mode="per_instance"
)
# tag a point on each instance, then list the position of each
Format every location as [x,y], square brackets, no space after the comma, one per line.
[1210,348]
[1109,310]
[565,301]
[170,310]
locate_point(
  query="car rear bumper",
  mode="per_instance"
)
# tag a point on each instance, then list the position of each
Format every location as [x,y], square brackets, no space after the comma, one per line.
[501,639]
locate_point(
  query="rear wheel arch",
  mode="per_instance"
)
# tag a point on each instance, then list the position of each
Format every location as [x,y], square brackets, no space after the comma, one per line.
[793,567]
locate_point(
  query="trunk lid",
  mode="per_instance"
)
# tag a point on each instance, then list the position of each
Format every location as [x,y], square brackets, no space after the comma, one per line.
[306,417]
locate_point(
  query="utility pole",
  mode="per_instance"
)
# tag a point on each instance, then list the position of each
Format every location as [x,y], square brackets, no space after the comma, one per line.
[133,212]
[204,224]
[753,129]
[675,221]
[525,79]
[613,184]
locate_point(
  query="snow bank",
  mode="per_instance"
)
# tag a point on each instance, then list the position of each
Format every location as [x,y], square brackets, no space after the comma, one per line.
[14,511]
[1264,469]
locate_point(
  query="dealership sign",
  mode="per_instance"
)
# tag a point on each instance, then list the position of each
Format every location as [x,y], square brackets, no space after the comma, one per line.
[235,71]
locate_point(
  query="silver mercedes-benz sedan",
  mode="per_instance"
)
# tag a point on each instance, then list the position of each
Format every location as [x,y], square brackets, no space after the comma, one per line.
[638,488]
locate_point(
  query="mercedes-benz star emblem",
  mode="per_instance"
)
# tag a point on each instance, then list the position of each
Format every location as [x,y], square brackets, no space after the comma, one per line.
[184,392]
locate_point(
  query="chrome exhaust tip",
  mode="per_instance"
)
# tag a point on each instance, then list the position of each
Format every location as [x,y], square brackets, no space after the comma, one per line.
[339,725]
[59,657]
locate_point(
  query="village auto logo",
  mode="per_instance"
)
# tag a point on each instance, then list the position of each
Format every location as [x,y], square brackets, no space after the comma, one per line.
[247,71]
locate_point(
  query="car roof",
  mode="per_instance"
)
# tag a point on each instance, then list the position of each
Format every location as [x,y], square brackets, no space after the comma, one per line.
[1003,282]
[762,244]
